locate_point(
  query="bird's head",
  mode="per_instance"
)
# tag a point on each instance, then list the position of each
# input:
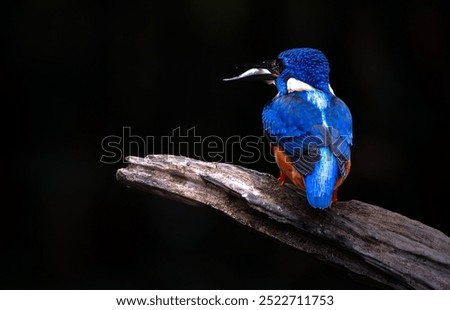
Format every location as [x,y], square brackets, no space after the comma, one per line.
[294,70]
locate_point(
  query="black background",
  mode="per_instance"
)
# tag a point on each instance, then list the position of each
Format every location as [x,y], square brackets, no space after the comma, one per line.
[75,72]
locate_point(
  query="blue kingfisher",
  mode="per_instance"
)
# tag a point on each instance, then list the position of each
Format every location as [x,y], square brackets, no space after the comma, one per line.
[309,128]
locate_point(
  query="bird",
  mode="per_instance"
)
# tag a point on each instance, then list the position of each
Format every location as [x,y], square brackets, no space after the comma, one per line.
[308,127]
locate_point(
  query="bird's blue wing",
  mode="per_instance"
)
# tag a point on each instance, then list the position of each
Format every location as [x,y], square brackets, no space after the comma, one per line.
[292,123]
[339,121]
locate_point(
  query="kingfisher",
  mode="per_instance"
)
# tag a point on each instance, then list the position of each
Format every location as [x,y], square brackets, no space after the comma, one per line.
[308,127]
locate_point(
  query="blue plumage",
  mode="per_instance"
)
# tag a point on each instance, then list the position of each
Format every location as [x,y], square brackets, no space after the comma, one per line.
[297,125]
[304,64]
[320,183]
[309,127]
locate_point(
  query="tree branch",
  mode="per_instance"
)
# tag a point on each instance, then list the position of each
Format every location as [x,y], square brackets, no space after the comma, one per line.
[365,239]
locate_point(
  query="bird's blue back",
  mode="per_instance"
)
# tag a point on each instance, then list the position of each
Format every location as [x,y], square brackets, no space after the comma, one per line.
[314,128]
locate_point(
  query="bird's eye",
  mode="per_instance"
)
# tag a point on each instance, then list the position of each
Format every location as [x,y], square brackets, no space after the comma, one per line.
[278,65]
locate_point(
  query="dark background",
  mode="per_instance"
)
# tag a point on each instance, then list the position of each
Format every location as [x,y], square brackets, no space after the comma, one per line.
[74,72]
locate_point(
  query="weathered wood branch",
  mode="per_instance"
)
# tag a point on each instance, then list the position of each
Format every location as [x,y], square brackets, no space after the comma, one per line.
[365,239]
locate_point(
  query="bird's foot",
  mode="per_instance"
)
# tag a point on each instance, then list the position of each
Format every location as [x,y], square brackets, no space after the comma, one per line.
[282,178]
[334,198]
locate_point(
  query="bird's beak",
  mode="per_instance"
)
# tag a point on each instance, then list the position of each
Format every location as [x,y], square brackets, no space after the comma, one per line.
[266,71]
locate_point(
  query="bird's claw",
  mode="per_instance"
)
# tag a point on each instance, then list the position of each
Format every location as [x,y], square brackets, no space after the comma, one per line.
[282,178]
[334,198]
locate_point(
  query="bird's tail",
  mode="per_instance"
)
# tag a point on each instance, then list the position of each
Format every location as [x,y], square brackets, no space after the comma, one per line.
[321,181]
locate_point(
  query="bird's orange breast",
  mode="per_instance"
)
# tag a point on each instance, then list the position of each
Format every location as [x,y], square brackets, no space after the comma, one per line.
[284,162]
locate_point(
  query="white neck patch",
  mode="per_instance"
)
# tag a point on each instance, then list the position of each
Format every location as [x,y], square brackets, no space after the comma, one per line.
[331,89]
[296,85]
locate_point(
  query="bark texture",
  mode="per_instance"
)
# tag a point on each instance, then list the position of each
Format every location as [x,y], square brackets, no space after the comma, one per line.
[365,239]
